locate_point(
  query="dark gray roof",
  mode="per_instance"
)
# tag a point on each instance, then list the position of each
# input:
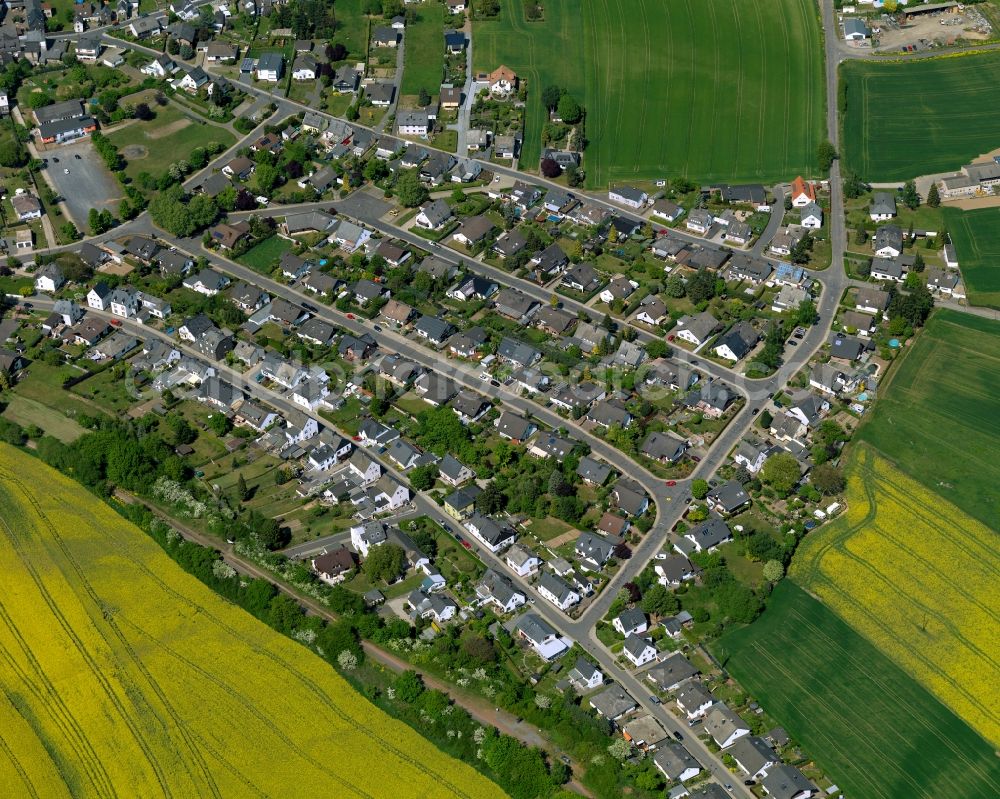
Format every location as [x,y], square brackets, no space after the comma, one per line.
[710,533]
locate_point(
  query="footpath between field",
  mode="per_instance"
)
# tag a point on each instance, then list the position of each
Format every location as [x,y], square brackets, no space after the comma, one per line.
[476,706]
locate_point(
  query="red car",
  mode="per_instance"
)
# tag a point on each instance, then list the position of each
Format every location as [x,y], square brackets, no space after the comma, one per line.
[350,316]
[671,483]
[466,544]
[116,323]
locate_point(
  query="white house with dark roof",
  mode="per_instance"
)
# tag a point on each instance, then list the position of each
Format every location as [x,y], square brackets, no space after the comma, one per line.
[557,591]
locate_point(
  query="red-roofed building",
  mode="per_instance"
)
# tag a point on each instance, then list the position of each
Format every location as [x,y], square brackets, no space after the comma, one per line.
[803,192]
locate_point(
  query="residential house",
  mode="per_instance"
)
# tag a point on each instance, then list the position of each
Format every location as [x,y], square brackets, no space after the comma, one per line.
[548,262]
[432,606]
[630,622]
[696,329]
[666,210]
[629,497]
[613,703]
[434,215]
[522,560]
[499,590]
[694,700]
[592,471]
[333,566]
[542,637]
[593,551]
[676,763]
[888,241]
[49,279]
[270,67]
[883,206]
[638,650]
[99,297]
[700,221]
[461,503]
[628,195]
[515,304]
[707,536]
[492,535]
[26,206]
[502,80]
[412,122]
[510,244]
[787,782]
[738,342]
[469,406]
[585,676]
[620,288]
[753,755]
[453,472]
[583,278]
[803,192]
[228,236]
[871,300]
[727,498]
[893,269]
[671,672]
[433,329]
[724,725]
[811,216]
[557,591]
[665,447]
[513,427]
[652,311]
[673,570]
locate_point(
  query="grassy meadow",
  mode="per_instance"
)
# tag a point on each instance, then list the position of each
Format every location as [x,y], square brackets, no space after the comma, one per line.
[717,90]
[976,236]
[162,141]
[888,567]
[918,117]
[936,415]
[123,675]
[423,58]
[878,733]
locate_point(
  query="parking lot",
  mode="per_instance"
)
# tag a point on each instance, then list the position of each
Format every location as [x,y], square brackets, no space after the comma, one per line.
[83,182]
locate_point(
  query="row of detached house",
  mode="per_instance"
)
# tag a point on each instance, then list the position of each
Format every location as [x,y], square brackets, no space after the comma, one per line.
[755,757]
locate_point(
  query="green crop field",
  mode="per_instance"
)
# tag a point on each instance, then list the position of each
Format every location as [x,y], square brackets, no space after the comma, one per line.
[976,236]
[918,117]
[423,59]
[718,90]
[873,729]
[936,415]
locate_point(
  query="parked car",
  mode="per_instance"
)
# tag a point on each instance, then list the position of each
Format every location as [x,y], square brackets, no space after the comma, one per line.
[378,328]
[678,736]
[671,483]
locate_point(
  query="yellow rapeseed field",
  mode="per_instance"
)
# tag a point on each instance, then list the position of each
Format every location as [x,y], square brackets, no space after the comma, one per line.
[919,578]
[122,676]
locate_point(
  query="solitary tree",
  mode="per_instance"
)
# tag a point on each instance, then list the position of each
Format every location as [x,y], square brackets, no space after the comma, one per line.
[699,488]
[828,479]
[781,472]
[933,198]
[773,571]
[550,96]
[910,197]
[825,154]
[569,109]
[550,168]
[384,562]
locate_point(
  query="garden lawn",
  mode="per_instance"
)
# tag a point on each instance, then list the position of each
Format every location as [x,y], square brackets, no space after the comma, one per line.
[976,236]
[265,256]
[718,90]
[936,414]
[918,117]
[153,146]
[888,567]
[352,27]
[423,59]
[876,732]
